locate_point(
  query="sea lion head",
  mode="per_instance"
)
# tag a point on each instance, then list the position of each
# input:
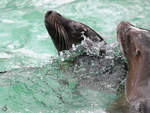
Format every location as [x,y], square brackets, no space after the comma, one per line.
[65,32]
[135,43]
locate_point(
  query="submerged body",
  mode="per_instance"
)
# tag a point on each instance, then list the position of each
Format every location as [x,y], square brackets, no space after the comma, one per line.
[97,72]
[135,43]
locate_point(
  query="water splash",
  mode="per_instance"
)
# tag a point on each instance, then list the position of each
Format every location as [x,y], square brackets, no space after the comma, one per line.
[74,82]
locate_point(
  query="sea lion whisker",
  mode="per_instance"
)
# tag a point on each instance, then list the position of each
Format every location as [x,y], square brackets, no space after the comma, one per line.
[66,38]
[62,38]
[57,32]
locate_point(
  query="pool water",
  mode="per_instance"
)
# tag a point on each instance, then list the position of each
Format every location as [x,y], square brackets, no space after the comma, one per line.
[32,83]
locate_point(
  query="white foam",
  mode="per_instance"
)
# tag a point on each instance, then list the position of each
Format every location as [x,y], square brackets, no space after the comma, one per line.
[5,55]
[7,21]
[33,54]
[93,111]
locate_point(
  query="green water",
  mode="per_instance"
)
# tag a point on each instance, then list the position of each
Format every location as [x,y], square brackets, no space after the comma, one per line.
[32,84]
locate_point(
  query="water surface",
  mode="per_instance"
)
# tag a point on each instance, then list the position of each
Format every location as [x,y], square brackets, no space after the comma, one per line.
[35,81]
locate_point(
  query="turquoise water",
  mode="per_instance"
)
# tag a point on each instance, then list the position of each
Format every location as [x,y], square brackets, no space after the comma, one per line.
[32,83]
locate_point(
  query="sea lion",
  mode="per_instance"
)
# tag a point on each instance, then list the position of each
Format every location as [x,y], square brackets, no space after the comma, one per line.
[65,32]
[135,43]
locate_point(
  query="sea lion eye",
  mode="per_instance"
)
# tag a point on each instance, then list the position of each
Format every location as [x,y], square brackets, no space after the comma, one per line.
[137,53]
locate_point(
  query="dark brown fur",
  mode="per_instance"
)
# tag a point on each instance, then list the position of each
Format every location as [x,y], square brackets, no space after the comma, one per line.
[65,32]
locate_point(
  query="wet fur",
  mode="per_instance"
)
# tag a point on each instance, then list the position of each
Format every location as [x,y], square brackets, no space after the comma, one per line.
[135,43]
[66,32]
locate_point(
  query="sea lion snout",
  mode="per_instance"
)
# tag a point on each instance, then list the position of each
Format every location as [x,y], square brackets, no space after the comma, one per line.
[122,28]
[46,16]
[48,13]
[51,13]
